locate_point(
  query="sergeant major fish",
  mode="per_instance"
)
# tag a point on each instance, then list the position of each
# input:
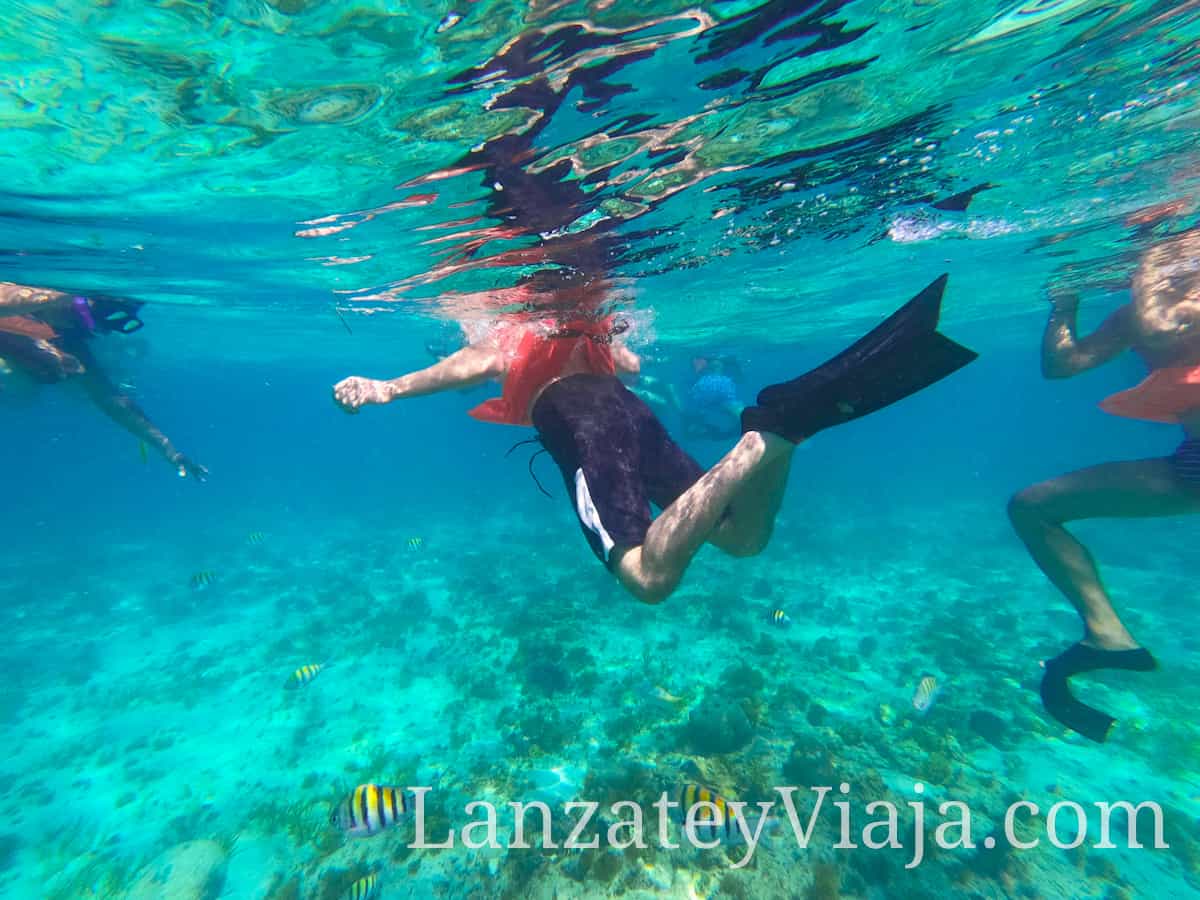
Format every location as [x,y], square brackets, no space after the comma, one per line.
[364,888]
[201,580]
[370,808]
[926,692]
[303,676]
[722,820]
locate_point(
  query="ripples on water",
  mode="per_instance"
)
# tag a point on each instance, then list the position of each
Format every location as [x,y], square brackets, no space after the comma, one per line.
[236,153]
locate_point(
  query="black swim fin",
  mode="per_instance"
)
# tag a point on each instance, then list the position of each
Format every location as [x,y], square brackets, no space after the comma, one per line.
[897,358]
[1061,703]
[960,201]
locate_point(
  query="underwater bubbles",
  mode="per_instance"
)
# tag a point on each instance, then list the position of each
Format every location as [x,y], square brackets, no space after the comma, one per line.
[333,105]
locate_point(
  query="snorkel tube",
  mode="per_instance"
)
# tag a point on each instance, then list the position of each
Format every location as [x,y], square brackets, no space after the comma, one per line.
[84,311]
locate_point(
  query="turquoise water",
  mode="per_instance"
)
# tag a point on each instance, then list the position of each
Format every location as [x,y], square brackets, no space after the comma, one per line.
[282,184]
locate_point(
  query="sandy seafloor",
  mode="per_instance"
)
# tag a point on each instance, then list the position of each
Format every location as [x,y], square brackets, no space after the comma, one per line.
[509,668]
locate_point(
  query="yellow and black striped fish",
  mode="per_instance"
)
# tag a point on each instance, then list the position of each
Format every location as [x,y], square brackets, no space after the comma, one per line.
[303,676]
[709,823]
[721,823]
[364,889]
[779,617]
[255,538]
[371,808]
[414,543]
[926,692]
[201,580]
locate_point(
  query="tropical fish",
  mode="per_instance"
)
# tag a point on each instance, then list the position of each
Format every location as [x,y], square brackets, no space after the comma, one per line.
[255,538]
[779,617]
[719,823]
[303,676]
[661,693]
[448,21]
[201,580]
[369,809]
[142,451]
[926,692]
[363,889]
[414,543]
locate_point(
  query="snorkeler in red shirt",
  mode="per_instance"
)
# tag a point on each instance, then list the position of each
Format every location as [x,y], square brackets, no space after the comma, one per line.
[617,459]
[44,337]
[560,356]
[1162,325]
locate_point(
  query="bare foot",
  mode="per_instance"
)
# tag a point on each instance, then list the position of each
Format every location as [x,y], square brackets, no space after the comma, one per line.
[351,394]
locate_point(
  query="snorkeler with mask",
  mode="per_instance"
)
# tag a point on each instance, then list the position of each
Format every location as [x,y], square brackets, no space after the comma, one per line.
[617,459]
[559,349]
[44,339]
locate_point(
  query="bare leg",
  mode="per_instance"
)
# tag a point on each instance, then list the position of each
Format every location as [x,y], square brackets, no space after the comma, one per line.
[1141,488]
[747,529]
[652,570]
[464,368]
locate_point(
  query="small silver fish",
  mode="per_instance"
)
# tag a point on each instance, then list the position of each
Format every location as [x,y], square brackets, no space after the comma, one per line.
[661,693]
[448,21]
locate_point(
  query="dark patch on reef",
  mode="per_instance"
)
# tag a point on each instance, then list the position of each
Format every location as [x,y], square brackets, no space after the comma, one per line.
[990,727]
[538,728]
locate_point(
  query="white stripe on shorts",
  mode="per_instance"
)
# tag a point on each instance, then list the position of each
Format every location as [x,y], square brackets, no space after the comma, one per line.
[588,514]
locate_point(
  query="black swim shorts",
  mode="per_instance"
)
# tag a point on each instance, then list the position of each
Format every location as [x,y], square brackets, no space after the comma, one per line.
[615,456]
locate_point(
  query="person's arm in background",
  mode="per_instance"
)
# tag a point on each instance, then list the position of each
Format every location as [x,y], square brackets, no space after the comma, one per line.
[650,388]
[22,298]
[1064,353]
[121,409]
[463,368]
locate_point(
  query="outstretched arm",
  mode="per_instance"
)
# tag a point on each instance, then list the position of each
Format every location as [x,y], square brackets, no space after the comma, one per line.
[1064,354]
[121,409]
[21,298]
[463,368]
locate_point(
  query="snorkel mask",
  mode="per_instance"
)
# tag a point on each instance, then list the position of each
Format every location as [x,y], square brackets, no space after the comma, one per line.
[108,315]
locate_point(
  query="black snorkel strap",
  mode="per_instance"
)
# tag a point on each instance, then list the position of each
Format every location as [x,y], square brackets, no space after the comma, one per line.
[532,474]
[604,337]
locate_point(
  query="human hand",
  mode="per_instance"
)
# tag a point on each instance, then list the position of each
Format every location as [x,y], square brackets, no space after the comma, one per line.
[1064,302]
[185,467]
[353,393]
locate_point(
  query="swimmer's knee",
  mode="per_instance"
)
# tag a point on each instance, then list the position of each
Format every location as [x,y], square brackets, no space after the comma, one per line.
[647,586]
[654,590]
[1025,506]
[1019,507]
[744,546]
